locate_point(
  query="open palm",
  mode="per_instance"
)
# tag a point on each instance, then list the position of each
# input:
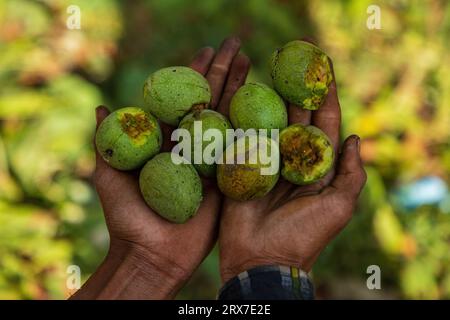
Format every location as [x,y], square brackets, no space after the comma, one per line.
[292,224]
[131,223]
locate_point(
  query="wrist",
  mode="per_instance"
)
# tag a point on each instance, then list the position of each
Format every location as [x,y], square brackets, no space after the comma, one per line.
[229,271]
[142,274]
[130,271]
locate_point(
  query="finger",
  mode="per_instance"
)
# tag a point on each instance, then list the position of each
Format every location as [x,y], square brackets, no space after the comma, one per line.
[299,115]
[336,203]
[309,39]
[220,67]
[238,74]
[328,116]
[350,177]
[203,60]
[101,112]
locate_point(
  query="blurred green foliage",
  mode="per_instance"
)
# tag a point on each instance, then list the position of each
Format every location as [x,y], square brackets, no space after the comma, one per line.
[49,215]
[393,86]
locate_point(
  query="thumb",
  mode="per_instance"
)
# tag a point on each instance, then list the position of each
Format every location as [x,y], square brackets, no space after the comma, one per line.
[350,177]
[101,112]
[100,165]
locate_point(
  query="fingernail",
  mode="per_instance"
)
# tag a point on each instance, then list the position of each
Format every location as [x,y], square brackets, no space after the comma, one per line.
[353,141]
[241,60]
[235,38]
[308,39]
[98,112]
[204,51]
[232,42]
[358,143]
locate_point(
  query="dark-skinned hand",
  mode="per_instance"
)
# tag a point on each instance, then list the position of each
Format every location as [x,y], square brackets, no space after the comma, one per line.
[149,257]
[292,224]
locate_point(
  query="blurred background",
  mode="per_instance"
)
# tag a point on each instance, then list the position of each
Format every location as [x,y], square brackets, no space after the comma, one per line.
[394,88]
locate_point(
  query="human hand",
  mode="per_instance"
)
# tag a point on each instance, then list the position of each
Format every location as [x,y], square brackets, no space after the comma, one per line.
[150,257]
[292,224]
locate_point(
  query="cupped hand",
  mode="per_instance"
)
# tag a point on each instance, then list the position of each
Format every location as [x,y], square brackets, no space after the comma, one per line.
[292,224]
[150,257]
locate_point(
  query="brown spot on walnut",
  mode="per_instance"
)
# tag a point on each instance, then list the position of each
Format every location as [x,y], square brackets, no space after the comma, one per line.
[134,125]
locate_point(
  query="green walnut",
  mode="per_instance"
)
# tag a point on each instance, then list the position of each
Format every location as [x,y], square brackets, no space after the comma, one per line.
[171,188]
[128,137]
[244,178]
[256,106]
[306,153]
[170,93]
[208,119]
[301,74]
